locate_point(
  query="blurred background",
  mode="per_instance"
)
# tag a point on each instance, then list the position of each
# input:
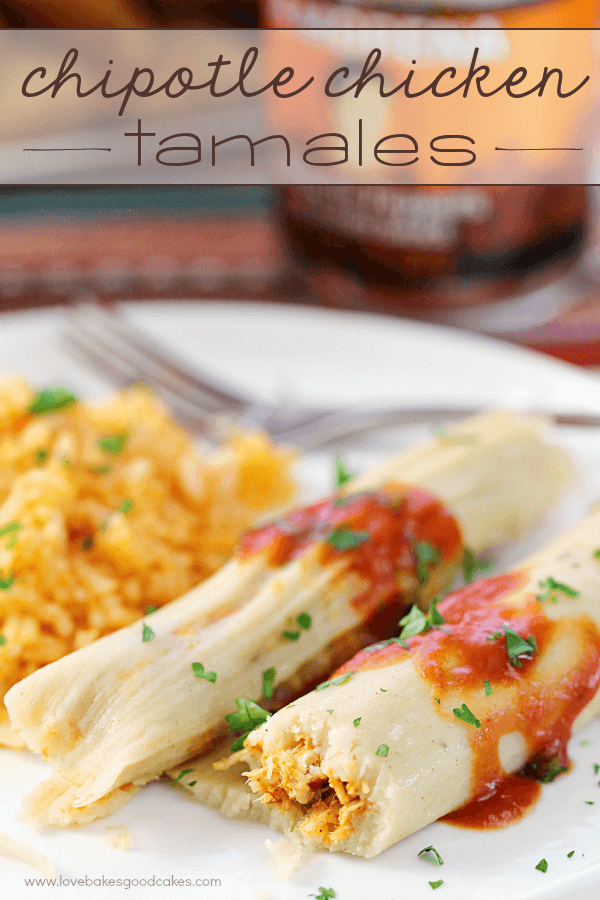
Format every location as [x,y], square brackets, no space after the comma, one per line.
[520,263]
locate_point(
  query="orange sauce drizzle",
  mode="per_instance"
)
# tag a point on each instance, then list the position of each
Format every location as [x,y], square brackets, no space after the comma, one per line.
[395,518]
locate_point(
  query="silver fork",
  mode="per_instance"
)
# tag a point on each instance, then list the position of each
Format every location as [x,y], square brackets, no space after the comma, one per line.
[124,355]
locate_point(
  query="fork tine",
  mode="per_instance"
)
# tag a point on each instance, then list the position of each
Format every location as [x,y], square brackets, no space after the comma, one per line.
[116,369]
[132,364]
[191,381]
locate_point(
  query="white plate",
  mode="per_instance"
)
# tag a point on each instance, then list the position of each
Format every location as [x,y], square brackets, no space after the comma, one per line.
[331,357]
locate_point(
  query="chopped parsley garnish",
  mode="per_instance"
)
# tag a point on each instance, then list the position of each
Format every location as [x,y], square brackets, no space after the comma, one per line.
[100,470]
[584,743]
[589,802]
[12,529]
[427,555]
[542,866]
[382,750]
[341,679]
[356,722]
[551,585]
[113,443]
[198,670]
[191,783]
[181,775]
[268,683]
[437,700]
[570,854]
[488,688]
[465,715]
[438,861]
[436,884]
[342,473]
[41,456]
[2,640]
[304,621]
[50,400]
[8,583]
[553,770]
[249,716]
[147,633]
[596,768]
[597,553]
[291,635]
[126,506]
[149,610]
[325,894]
[518,646]
[416,622]
[330,711]
[471,565]
[345,539]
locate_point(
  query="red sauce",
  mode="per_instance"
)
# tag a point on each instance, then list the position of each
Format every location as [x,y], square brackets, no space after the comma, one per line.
[507,802]
[541,698]
[395,518]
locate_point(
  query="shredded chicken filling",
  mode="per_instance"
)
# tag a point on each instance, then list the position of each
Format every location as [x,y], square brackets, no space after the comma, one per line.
[293,780]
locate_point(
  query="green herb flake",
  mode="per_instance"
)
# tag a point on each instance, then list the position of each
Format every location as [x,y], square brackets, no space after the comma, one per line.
[147,634]
[436,884]
[342,473]
[191,783]
[291,635]
[383,690]
[597,553]
[518,646]
[268,683]
[248,717]
[12,530]
[413,623]
[429,853]
[596,768]
[590,802]
[487,688]
[341,679]
[113,443]
[325,894]
[6,584]
[542,866]
[427,556]
[437,700]
[550,585]
[345,539]
[41,456]
[100,470]
[382,750]
[471,564]
[553,771]
[465,715]
[416,622]
[50,400]
[198,670]
[126,506]
[356,722]
[181,775]
[2,640]
[584,743]
[149,610]
[304,621]
[570,854]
